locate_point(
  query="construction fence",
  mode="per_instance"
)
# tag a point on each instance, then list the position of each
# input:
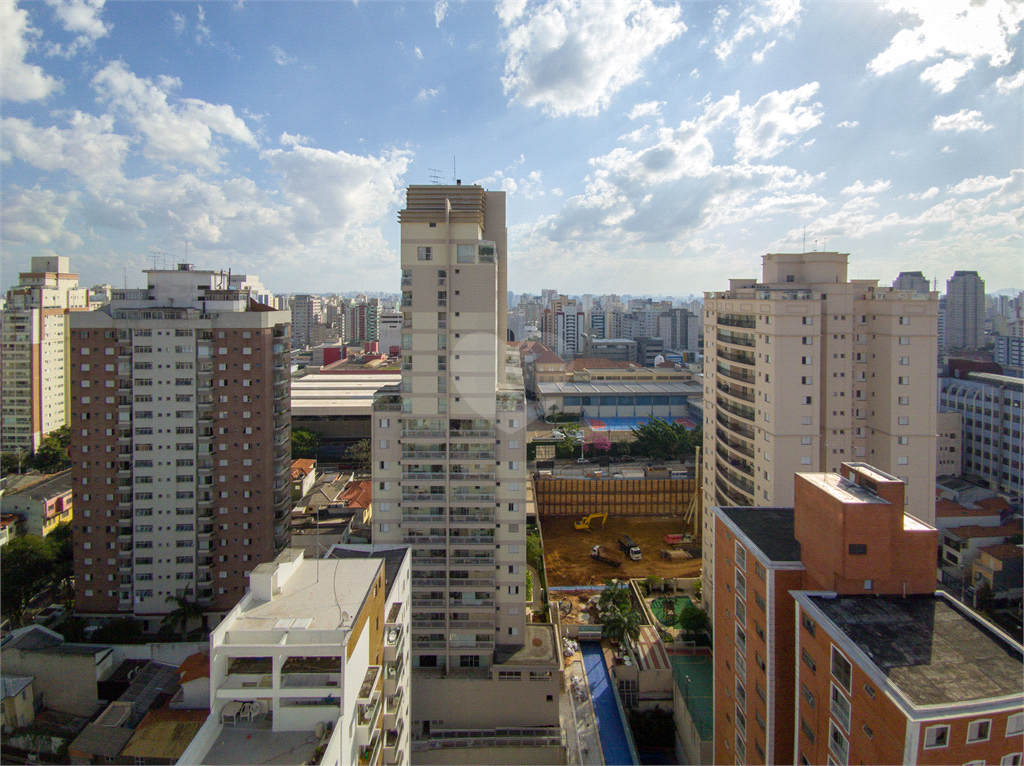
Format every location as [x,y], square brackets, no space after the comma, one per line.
[618,497]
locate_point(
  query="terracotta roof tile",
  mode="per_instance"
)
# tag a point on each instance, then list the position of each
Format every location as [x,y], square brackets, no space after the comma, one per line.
[194,666]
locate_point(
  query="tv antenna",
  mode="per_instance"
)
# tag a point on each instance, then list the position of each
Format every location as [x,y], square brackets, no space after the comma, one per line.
[160,255]
[435,176]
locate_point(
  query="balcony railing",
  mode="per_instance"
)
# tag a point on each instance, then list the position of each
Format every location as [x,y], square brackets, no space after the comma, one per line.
[747,413]
[735,426]
[734,444]
[735,498]
[736,339]
[748,321]
[459,455]
[740,357]
[739,392]
[422,455]
[418,496]
[724,459]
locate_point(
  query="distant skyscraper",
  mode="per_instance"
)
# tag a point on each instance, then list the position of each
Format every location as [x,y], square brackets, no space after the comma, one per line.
[307,310]
[912,280]
[33,356]
[965,310]
[804,370]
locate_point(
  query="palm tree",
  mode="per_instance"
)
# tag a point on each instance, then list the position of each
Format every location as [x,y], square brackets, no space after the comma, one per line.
[186,611]
[621,624]
[615,594]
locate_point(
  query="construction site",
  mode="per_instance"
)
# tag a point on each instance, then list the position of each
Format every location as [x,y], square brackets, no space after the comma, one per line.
[597,528]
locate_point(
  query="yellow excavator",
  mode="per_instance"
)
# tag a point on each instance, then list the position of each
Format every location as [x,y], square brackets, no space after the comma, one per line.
[584,523]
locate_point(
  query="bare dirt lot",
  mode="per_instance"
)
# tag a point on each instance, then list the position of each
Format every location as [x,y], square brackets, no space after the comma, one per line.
[567,549]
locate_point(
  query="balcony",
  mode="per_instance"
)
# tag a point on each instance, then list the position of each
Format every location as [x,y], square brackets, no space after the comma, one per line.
[482,516]
[484,603]
[473,434]
[472,624]
[733,444]
[414,539]
[424,643]
[392,739]
[394,641]
[413,497]
[427,602]
[422,455]
[478,582]
[748,321]
[423,434]
[734,497]
[481,497]
[427,475]
[735,426]
[736,339]
[458,476]
[724,460]
[393,703]
[747,413]
[740,392]
[473,561]
[369,753]
[327,682]
[739,357]
[428,582]
[482,455]
[472,539]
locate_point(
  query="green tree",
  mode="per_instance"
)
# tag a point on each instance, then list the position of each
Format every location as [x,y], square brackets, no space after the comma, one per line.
[693,619]
[304,443]
[361,453]
[621,623]
[187,610]
[534,552]
[62,552]
[15,462]
[614,596]
[26,563]
[660,440]
[52,455]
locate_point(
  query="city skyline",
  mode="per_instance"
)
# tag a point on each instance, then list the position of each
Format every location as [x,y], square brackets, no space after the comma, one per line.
[642,145]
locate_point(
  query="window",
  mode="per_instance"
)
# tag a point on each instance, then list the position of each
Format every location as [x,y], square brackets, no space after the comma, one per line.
[759,600]
[840,707]
[807,732]
[741,556]
[424,254]
[978,731]
[806,380]
[1014,724]
[903,421]
[807,400]
[904,341]
[808,661]
[807,694]
[1013,759]
[857,549]
[807,623]
[869,690]
[837,743]
[936,736]
[759,570]
[842,670]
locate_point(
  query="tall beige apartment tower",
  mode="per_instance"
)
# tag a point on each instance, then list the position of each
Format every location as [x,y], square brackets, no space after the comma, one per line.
[180,442]
[449,471]
[33,354]
[806,369]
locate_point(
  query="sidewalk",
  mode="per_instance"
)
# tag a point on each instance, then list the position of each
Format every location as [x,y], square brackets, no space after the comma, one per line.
[576,710]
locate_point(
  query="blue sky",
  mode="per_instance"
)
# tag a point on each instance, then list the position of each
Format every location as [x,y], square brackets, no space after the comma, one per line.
[646,147]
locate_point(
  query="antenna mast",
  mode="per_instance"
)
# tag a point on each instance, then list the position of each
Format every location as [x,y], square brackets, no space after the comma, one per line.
[435,176]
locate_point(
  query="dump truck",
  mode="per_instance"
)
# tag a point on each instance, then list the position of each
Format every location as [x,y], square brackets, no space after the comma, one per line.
[630,548]
[606,554]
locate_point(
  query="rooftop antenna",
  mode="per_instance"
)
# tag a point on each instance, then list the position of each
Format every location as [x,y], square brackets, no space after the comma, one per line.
[805,239]
[435,176]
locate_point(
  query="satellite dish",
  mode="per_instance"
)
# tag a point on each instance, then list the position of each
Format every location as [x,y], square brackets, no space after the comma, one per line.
[344,617]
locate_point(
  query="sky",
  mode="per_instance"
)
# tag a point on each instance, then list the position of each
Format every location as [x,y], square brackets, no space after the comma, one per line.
[645,147]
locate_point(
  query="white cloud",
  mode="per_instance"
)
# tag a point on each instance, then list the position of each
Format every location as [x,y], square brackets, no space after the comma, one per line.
[88,148]
[280,57]
[175,135]
[961,121]
[288,139]
[934,190]
[425,94]
[775,122]
[179,22]
[945,75]
[947,150]
[81,18]
[38,217]
[21,81]
[572,56]
[530,186]
[848,124]
[860,188]
[758,56]
[762,18]
[440,11]
[202,31]
[647,109]
[637,135]
[958,31]
[336,190]
[694,73]
[1008,84]
[985,183]
[419,53]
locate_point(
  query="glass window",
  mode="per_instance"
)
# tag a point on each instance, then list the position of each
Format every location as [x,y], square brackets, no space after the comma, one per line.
[842,670]
[466,254]
[626,401]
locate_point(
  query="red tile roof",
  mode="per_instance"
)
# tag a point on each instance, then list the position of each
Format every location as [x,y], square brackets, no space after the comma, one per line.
[597,364]
[302,467]
[194,666]
[947,509]
[358,494]
[1004,551]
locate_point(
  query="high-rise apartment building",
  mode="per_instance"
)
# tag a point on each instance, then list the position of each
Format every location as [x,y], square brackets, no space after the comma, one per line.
[449,471]
[307,310]
[914,281]
[832,646]
[180,443]
[362,321]
[806,369]
[965,310]
[33,362]
[561,325]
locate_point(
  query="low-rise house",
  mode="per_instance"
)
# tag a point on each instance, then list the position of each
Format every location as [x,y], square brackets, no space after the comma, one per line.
[66,674]
[18,700]
[163,736]
[303,477]
[960,545]
[44,501]
[194,678]
[12,525]
[999,567]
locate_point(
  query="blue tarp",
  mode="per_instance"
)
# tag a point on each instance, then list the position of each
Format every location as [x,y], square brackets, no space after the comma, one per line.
[602,692]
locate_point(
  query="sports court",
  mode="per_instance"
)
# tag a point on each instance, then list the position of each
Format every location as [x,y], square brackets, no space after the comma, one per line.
[694,675]
[627,424]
